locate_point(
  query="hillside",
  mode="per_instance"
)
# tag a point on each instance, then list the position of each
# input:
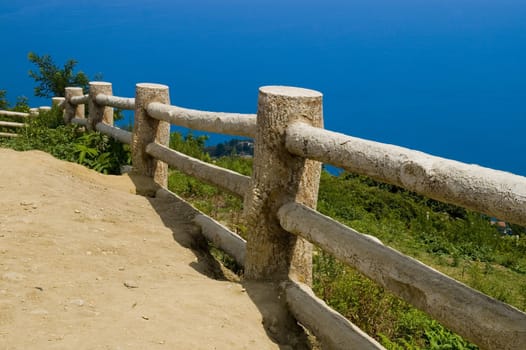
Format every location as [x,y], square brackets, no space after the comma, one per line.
[460,243]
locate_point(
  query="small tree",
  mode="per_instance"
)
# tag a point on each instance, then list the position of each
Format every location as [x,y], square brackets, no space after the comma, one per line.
[21,105]
[3,100]
[53,80]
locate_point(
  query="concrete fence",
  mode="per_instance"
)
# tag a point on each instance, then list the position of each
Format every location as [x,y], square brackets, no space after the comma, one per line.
[13,128]
[280,200]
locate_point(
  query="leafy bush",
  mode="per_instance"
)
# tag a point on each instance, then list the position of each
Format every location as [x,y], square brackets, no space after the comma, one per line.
[101,153]
[48,133]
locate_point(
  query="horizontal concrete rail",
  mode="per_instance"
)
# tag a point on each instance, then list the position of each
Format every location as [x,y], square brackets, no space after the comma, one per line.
[7,134]
[115,101]
[495,193]
[231,243]
[332,329]
[80,121]
[225,239]
[228,180]
[12,124]
[121,135]
[486,322]
[15,114]
[222,123]
[79,100]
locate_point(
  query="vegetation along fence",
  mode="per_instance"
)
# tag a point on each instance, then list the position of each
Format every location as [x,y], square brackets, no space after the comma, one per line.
[11,127]
[281,195]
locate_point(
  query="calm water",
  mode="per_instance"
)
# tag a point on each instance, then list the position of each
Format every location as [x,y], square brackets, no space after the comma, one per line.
[445,77]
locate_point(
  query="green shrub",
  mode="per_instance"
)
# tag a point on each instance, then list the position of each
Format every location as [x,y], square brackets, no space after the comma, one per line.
[101,153]
[47,133]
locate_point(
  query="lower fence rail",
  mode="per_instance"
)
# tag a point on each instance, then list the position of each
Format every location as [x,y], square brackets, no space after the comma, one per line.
[479,318]
[12,124]
[228,180]
[117,133]
[332,329]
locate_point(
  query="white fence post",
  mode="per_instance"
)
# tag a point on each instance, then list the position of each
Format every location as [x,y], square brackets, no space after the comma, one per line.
[57,101]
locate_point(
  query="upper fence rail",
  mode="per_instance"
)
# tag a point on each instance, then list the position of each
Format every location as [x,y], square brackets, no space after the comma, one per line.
[218,122]
[281,194]
[77,100]
[115,101]
[492,192]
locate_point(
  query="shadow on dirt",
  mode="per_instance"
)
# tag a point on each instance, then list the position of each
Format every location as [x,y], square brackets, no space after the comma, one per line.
[178,216]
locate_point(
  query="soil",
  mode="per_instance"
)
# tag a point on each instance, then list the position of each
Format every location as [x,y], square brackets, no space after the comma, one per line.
[86,263]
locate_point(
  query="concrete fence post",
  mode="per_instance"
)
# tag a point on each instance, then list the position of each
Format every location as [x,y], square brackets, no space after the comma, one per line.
[274,255]
[98,113]
[56,101]
[33,112]
[70,110]
[278,178]
[147,130]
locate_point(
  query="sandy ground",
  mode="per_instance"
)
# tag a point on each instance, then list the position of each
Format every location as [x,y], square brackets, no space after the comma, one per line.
[85,263]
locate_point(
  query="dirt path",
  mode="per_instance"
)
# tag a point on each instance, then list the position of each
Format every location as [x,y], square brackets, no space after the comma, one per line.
[87,264]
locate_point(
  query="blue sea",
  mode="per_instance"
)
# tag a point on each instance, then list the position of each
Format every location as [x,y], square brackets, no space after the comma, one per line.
[441,76]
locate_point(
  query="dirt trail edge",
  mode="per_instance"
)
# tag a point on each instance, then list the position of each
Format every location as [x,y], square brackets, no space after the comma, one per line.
[85,263]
